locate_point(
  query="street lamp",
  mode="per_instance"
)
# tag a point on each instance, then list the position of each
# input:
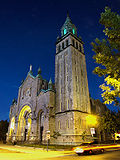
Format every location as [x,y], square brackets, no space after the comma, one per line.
[91,120]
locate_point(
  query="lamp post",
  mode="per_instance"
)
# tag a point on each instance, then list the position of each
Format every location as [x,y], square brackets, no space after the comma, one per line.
[48,137]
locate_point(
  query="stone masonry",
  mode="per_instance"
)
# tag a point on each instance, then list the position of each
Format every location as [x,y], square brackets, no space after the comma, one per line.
[58,109]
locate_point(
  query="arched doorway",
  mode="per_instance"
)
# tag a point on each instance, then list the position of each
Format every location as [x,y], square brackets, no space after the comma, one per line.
[24,123]
[40,124]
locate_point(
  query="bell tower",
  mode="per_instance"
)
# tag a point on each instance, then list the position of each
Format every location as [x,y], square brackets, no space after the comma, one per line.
[72,93]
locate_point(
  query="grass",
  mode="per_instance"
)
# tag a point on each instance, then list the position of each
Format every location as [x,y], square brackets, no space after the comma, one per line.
[52,147]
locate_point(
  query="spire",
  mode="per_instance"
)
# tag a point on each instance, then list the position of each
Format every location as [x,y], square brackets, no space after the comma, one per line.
[50,84]
[68,27]
[68,14]
[14,101]
[30,71]
[30,68]
[50,81]
[39,73]
[39,70]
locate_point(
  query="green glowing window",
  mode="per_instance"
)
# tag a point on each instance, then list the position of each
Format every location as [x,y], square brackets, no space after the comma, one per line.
[65,31]
[73,31]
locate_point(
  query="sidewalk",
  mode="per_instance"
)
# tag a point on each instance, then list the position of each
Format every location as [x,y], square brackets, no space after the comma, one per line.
[9,152]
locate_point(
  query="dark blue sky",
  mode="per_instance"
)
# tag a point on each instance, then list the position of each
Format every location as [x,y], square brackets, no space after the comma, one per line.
[28,32]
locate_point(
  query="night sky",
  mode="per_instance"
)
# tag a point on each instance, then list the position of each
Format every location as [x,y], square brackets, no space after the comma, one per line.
[28,32]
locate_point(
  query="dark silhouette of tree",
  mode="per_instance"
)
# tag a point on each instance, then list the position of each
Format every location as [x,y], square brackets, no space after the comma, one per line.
[3,129]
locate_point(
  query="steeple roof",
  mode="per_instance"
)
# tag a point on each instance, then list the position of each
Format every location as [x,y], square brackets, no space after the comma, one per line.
[50,81]
[68,27]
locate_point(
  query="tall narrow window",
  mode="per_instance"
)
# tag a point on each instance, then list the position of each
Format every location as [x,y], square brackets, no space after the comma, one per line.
[67,43]
[59,125]
[76,78]
[76,45]
[67,78]
[63,45]
[59,48]
[67,124]
[80,48]
[73,42]
[68,104]
[81,72]
[60,106]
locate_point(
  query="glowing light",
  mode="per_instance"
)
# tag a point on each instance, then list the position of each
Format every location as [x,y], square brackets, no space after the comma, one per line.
[65,31]
[22,122]
[12,126]
[81,149]
[91,120]
[73,31]
[28,125]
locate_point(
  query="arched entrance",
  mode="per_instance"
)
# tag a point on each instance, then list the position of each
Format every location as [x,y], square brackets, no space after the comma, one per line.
[24,123]
[40,124]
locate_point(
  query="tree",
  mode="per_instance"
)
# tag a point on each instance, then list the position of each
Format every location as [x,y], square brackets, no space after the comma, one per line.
[108,57]
[3,129]
[84,135]
[108,122]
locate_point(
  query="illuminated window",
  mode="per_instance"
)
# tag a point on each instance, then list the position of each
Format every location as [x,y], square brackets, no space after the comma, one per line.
[73,31]
[65,31]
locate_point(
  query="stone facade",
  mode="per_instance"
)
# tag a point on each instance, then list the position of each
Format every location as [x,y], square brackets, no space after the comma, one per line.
[63,108]
[34,111]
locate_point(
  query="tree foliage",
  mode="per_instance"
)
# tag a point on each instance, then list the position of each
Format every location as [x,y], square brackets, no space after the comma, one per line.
[3,129]
[84,135]
[108,56]
[110,122]
[56,134]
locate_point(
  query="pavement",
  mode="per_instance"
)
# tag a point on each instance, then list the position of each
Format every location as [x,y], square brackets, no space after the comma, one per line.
[10,152]
[16,152]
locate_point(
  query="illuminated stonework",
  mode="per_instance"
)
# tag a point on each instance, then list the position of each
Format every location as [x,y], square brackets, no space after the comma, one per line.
[24,124]
[62,108]
[12,127]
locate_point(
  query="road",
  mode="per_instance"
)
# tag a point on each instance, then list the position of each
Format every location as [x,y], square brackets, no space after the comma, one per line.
[8,152]
[105,156]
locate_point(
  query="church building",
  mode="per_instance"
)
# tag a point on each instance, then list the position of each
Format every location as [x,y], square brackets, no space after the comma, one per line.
[57,111]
